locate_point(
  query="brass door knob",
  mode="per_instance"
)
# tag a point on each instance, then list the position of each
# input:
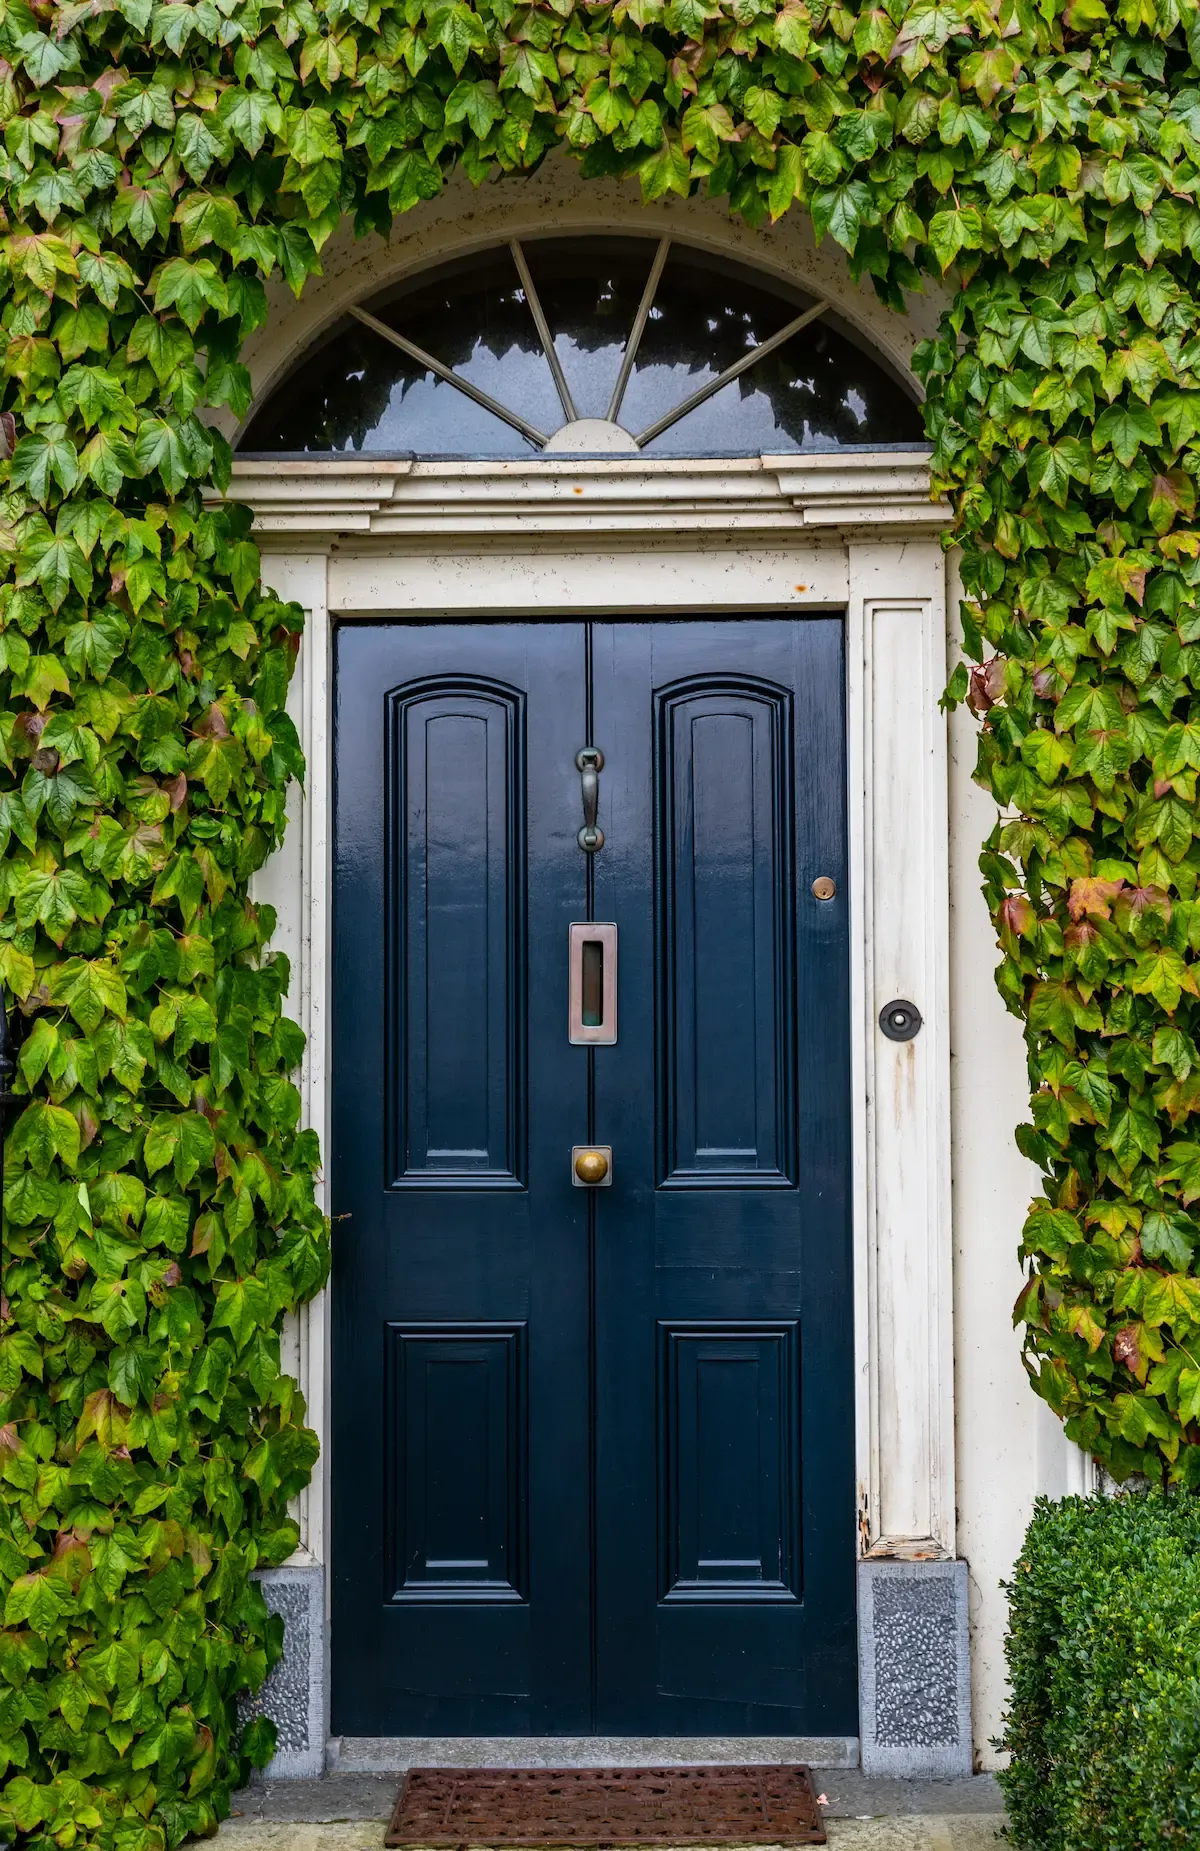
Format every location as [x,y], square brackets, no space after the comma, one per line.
[591,1166]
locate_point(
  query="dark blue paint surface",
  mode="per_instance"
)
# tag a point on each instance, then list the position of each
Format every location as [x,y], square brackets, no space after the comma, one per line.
[456,1516]
[454,901]
[592,1450]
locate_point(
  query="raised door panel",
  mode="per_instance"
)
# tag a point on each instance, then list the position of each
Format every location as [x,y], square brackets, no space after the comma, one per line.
[731,1472]
[456,1445]
[457,936]
[726,1002]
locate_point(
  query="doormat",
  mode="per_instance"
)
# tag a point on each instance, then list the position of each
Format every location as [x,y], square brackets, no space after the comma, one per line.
[607,1806]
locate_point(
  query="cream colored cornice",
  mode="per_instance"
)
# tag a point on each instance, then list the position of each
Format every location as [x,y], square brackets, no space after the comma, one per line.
[406,503]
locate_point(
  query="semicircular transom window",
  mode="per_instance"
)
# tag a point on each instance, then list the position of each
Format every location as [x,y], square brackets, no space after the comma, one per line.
[598,344]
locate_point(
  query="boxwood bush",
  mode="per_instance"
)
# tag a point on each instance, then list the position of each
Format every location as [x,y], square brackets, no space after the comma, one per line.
[1103,1652]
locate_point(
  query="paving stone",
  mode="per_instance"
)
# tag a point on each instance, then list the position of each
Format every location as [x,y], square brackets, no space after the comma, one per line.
[334,1796]
[913,1832]
[930,1832]
[288,1835]
[853,1794]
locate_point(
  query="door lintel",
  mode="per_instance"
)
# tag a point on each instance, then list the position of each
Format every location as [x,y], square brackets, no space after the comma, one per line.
[334,502]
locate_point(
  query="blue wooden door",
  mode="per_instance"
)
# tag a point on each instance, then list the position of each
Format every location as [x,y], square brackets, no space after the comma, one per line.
[592,1449]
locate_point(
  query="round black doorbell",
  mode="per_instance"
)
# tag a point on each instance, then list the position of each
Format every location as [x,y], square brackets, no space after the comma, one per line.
[899,1020]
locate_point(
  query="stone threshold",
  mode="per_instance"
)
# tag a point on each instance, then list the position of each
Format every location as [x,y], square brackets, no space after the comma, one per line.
[366,1754]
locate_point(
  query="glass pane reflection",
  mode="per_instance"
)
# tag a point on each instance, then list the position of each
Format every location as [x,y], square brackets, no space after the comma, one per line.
[590,289]
[702,321]
[357,393]
[472,316]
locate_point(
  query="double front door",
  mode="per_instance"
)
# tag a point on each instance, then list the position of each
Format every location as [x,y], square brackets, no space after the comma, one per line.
[592,1338]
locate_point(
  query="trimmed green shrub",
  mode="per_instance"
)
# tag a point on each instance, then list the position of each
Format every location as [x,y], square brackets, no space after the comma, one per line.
[1104,1667]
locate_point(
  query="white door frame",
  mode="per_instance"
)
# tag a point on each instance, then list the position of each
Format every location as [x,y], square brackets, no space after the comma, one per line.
[853,531]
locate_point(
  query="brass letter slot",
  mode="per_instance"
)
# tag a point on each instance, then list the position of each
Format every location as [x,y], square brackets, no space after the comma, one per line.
[593,986]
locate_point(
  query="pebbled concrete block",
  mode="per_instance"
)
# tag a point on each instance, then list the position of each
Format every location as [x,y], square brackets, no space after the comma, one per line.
[294,1693]
[914,1669]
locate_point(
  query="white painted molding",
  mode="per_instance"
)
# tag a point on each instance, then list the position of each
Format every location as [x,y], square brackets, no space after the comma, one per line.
[660,573]
[405,503]
[900,950]
[295,881]
[892,590]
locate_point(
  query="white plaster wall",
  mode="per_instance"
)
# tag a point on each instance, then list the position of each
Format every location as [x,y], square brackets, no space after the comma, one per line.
[1010,1447]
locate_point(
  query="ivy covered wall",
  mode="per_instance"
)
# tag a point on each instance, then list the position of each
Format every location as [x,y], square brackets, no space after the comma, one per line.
[160,161]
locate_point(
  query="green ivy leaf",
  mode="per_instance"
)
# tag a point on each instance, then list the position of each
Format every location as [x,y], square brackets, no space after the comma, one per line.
[160,447]
[705,127]
[1173,1299]
[477,103]
[665,171]
[191,288]
[207,218]
[763,108]
[45,59]
[412,178]
[1169,1237]
[1162,973]
[89,988]
[459,31]
[196,146]
[184,1140]
[34,1600]
[1126,428]
[842,211]
[92,645]
[243,1306]
[1053,467]
[952,231]
[44,457]
[143,211]
[43,1133]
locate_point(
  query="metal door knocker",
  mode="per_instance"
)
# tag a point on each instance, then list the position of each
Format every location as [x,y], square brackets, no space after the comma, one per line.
[589,762]
[899,1020]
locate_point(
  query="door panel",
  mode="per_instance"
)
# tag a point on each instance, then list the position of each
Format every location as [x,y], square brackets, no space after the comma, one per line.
[460,1289]
[592,1462]
[456,1434]
[723,884]
[728,1458]
[454,773]
[724,1551]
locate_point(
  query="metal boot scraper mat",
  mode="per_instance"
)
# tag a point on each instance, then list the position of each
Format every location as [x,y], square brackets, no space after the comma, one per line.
[607,1806]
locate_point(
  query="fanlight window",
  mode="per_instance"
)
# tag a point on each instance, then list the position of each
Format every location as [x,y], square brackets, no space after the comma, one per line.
[585,345]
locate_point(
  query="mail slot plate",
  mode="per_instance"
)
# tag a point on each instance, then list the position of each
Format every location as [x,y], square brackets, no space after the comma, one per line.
[593,986]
